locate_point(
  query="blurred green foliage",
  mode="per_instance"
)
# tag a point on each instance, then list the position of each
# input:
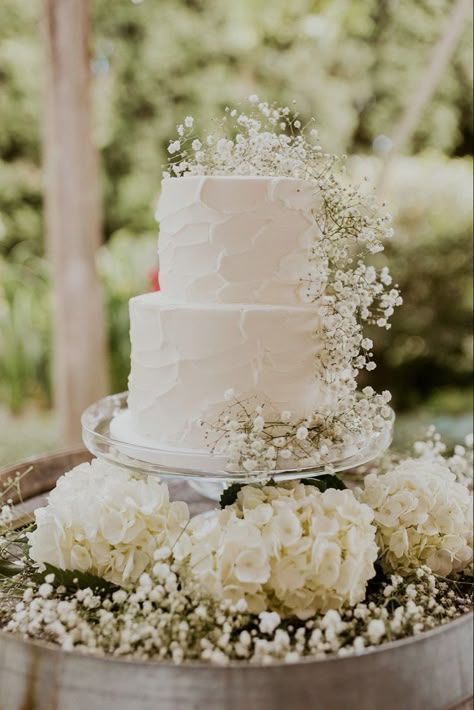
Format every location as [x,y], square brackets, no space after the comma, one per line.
[351,65]
[125,266]
[428,353]
[24,330]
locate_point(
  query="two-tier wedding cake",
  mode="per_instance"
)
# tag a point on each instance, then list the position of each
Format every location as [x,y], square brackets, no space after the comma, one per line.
[232,311]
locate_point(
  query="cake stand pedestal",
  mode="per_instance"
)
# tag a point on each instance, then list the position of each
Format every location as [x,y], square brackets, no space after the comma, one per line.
[203,470]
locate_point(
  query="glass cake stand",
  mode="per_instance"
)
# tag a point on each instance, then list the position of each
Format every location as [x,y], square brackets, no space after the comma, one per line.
[105,436]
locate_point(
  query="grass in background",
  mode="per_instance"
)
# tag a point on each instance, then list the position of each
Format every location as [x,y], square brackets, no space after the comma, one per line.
[30,434]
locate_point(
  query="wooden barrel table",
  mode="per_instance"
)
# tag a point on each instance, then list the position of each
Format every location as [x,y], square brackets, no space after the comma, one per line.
[432,671]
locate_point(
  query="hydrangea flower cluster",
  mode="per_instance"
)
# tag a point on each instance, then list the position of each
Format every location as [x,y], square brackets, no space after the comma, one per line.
[288,548]
[349,226]
[101,520]
[423,517]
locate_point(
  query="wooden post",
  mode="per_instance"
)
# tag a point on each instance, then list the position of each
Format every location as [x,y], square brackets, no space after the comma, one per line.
[73,214]
[426,86]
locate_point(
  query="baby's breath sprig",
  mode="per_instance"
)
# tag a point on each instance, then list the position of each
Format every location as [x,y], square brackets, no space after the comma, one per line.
[459,460]
[265,140]
[15,565]
[255,443]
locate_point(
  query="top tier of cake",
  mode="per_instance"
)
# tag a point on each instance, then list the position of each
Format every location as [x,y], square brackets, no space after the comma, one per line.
[235,239]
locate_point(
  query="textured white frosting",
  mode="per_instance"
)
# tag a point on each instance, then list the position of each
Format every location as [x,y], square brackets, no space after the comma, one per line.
[184,357]
[235,239]
[234,256]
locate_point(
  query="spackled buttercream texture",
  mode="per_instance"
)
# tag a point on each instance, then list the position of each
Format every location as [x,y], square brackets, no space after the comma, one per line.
[184,358]
[236,239]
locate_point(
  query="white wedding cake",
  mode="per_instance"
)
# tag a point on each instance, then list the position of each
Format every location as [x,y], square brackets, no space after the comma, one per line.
[232,313]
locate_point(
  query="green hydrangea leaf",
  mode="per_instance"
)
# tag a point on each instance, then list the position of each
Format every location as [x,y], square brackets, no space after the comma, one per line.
[229,494]
[74,579]
[9,568]
[325,482]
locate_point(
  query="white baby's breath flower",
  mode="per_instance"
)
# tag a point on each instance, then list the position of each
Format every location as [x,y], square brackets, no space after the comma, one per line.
[423,517]
[302,433]
[101,519]
[188,121]
[250,465]
[268,621]
[45,590]
[258,423]
[376,630]
[6,515]
[174,147]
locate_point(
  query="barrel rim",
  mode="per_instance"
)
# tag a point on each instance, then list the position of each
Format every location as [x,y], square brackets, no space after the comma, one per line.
[39,459]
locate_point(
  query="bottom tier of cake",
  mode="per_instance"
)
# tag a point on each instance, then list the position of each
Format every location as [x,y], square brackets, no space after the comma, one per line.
[185,358]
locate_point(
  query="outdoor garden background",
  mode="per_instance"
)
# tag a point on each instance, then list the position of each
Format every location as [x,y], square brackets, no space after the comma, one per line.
[352,65]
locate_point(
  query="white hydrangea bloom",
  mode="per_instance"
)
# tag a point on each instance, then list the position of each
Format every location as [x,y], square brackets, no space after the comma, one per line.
[101,519]
[423,517]
[287,548]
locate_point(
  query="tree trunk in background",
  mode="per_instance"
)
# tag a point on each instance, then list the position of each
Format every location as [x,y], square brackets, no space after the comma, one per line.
[427,85]
[73,214]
